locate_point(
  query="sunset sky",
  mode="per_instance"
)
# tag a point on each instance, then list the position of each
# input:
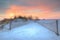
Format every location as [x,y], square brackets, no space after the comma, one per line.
[43,9]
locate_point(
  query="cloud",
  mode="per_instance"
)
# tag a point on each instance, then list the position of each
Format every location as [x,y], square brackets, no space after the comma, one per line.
[53,4]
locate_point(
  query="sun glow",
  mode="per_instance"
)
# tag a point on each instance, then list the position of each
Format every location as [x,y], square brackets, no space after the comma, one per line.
[11,15]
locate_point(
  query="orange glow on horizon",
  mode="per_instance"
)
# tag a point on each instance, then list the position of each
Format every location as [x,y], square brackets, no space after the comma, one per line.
[24,11]
[40,12]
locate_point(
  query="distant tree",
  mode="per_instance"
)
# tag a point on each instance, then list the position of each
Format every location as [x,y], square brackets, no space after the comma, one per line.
[36,18]
[20,17]
[30,18]
[15,17]
[25,18]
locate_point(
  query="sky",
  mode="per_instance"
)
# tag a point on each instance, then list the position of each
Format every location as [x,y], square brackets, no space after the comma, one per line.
[39,8]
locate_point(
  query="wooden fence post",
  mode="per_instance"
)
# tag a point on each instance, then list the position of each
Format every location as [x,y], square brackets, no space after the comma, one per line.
[57,27]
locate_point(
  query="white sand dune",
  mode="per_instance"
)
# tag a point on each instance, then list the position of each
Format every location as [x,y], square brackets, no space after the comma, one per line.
[30,31]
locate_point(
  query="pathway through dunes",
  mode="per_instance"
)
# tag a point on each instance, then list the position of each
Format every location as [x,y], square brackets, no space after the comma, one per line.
[30,31]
